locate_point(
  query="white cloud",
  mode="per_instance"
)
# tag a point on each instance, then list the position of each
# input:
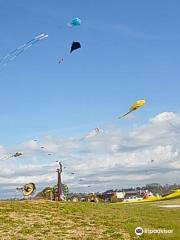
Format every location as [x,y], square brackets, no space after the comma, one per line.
[112,159]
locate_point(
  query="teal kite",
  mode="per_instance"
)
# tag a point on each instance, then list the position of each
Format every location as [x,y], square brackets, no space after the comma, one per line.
[75,22]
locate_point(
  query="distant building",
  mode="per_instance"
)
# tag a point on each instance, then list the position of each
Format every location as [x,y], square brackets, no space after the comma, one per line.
[113,196]
[119,195]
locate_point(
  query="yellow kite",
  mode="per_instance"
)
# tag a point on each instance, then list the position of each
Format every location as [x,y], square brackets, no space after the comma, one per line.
[134,107]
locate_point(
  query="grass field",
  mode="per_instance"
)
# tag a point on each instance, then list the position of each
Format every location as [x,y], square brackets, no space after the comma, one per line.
[90,221]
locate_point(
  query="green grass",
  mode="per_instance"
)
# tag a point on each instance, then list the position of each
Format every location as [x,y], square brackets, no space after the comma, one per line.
[85,221]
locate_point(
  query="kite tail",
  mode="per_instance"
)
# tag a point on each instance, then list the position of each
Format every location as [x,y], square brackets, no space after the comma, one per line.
[6,157]
[19,50]
[16,50]
[125,114]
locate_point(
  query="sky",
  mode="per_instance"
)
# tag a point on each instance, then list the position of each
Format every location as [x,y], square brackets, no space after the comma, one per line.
[130,51]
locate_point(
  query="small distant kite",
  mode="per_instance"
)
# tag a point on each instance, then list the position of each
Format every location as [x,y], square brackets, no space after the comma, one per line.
[75,22]
[75,46]
[17,154]
[152,160]
[61,60]
[22,48]
[134,107]
[93,133]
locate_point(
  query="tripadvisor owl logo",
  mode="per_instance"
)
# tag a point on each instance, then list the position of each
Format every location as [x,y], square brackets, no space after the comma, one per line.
[139,231]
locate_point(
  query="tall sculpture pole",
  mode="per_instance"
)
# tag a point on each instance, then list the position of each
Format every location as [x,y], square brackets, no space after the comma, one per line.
[59,171]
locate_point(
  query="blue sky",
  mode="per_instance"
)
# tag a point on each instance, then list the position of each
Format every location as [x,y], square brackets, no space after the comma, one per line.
[130,50]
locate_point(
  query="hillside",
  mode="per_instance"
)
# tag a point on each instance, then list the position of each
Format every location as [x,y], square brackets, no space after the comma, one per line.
[86,221]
